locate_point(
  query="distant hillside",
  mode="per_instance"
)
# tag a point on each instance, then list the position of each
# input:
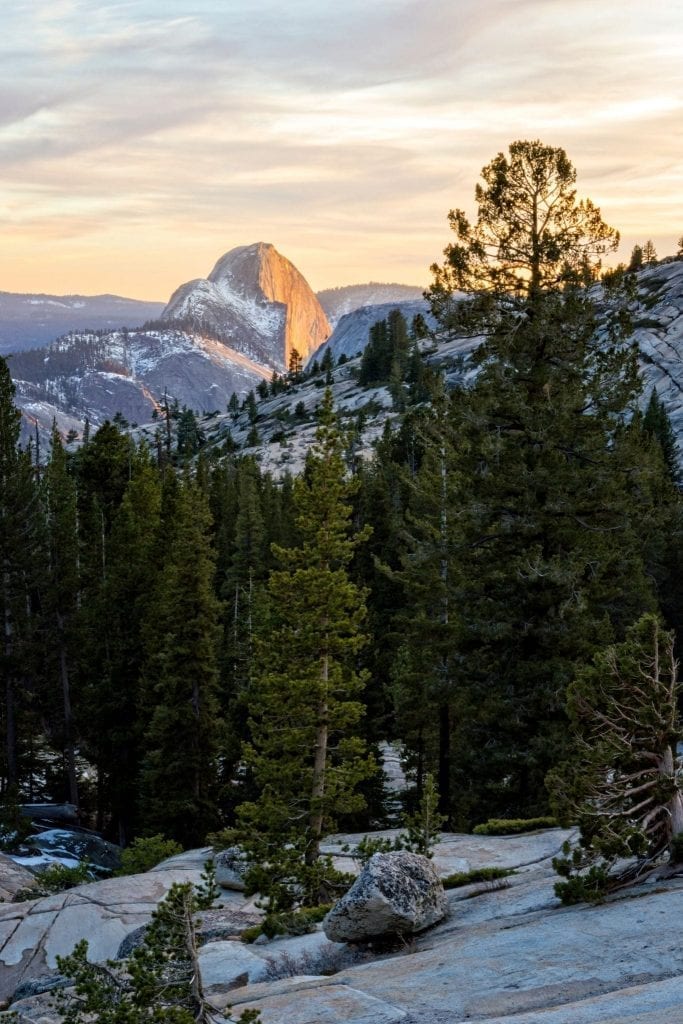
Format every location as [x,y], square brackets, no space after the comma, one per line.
[350,335]
[29,321]
[337,302]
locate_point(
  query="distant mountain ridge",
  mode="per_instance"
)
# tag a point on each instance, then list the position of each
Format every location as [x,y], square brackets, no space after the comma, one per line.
[31,320]
[216,335]
[338,302]
[97,374]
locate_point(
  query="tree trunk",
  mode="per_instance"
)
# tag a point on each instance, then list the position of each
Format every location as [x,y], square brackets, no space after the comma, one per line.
[319,764]
[10,704]
[69,745]
[444,760]
[675,807]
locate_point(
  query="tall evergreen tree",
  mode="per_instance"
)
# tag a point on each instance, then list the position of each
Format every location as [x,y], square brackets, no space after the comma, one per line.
[305,754]
[62,594]
[425,672]
[656,422]
[551,561]
[116,715]
[20,553]
[180,680]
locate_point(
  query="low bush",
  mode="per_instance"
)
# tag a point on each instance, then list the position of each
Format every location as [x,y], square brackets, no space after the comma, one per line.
[477,875]
[56,878]
[146,852]
[512,826]
[296,922]
[328,959]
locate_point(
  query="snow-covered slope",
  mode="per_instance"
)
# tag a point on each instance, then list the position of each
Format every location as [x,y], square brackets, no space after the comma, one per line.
[257,302]
[128,372]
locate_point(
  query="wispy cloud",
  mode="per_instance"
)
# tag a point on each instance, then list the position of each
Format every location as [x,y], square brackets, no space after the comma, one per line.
[139,139]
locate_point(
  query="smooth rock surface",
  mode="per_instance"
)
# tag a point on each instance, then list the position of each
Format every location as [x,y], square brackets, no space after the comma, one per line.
[507,955]
[395,894]
[13,878]
[225,965]
[34,933]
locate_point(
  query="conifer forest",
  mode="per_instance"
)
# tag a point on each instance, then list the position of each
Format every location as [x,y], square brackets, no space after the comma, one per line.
[191,645]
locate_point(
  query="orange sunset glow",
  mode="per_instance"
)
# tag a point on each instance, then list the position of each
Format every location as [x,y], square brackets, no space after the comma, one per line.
[139,140]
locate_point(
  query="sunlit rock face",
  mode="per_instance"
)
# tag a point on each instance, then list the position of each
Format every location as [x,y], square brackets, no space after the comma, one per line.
[257,302]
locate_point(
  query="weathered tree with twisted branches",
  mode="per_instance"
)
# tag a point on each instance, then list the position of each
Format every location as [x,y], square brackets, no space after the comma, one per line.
[623,787]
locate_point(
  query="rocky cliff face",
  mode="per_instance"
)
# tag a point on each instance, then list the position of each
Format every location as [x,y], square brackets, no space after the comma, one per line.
[257,302]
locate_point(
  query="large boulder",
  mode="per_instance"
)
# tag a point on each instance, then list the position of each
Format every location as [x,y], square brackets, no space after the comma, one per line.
[66,845]
[395,894]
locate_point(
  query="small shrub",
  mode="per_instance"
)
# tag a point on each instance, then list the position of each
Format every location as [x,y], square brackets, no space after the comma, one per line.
[56,878]
[422,827]
[145,853]
[493,886]
[513,826]
[208,889]
[296,922]
[370,845]
[590,887]
[460,878]
[251,934]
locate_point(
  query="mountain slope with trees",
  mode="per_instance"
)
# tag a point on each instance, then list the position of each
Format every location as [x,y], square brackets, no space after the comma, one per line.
[516,515]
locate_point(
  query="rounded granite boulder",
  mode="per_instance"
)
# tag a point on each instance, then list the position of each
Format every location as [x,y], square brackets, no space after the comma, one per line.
[395,894]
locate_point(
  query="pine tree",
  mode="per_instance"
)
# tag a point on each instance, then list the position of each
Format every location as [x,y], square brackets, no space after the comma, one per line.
[160,983]
[21,552]
[62,594]
[657,424]
[551,563]
[116,715]
[649,252]
[425,672]
[622,785]
[243,595]
[531,237]
[305,755]
[179,687]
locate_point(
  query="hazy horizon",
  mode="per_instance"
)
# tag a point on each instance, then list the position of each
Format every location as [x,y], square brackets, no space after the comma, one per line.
[139,140]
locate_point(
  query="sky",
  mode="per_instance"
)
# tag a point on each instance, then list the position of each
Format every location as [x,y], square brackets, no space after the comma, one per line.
[141,139]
